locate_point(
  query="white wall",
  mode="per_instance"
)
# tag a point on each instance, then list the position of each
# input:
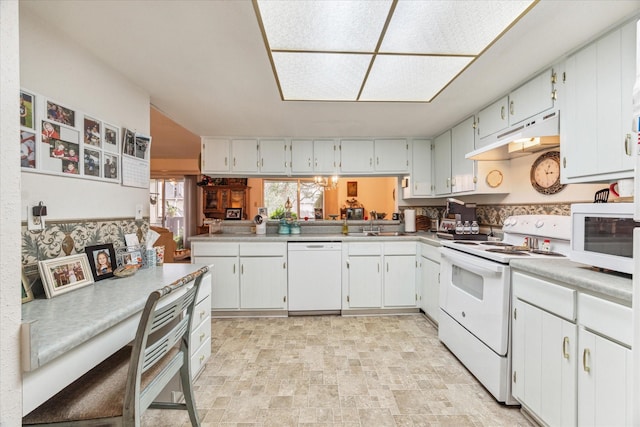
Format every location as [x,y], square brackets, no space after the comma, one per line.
[57,67]
[10,378]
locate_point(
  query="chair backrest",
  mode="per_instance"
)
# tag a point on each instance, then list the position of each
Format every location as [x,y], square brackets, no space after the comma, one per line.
[169,317]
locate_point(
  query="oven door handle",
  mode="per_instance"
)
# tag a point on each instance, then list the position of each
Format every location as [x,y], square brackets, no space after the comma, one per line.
[472,263]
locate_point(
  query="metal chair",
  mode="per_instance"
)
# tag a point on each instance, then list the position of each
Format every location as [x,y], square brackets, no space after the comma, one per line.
[120,389]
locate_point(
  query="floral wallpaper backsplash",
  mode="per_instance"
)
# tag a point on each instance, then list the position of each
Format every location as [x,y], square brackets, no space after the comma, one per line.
[64,238]
[496,214]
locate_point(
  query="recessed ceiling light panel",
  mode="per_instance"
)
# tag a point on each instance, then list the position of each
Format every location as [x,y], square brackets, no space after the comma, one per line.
[410,78]
[328,25]
[320,76]
[449,27]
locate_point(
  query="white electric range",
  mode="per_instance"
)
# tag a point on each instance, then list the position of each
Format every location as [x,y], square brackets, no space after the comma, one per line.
[475,294]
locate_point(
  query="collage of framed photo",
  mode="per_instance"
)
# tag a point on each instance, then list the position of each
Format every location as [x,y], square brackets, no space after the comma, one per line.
[60,140]
[65,274]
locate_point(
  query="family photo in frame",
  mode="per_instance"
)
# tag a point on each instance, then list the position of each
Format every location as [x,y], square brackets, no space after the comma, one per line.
[65,274]
[102,259]
[233,213]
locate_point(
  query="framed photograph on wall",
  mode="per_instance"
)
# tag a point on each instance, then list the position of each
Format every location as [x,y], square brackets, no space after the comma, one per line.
[60,114]
[92,162]
[27,116]
[92,134]
[352,188]
[110,138]
[111,166]
[65,274]
[102,259]
[27,149]
[233,213]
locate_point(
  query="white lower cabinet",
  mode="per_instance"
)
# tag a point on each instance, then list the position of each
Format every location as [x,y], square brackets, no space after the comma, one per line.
[429,280]
[245,276]
[201,328]
[379,275]
[604,372]
[571,357]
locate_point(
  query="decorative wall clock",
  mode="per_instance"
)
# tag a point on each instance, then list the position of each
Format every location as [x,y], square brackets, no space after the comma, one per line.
[545,173]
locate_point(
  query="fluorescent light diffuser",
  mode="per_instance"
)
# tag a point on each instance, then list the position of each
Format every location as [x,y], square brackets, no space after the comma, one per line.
[383,50]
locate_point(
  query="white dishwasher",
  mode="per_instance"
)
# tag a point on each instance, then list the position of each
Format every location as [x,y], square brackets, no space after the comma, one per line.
[315,277]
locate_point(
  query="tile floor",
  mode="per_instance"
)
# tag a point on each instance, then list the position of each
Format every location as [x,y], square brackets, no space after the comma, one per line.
[331,370]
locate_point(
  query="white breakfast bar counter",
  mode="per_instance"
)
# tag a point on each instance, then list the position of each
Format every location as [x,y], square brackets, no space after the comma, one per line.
[64,337]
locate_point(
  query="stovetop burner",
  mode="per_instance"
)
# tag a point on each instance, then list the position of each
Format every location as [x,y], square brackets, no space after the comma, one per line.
[497,244]
[508,251]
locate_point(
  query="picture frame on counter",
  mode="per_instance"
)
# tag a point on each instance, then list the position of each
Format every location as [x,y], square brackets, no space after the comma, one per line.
[27,293]
[233,214]
[102,259]
[65,274]
[264,212]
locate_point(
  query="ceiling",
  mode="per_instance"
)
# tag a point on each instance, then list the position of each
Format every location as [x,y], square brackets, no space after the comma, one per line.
[207,71]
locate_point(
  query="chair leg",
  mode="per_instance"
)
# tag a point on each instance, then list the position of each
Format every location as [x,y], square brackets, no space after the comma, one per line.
[187,389]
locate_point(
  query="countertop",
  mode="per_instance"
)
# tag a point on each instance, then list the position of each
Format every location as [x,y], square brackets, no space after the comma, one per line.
[582,277]
[60,324]
[420,236]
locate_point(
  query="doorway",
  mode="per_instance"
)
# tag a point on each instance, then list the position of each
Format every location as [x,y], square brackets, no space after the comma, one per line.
[167,206]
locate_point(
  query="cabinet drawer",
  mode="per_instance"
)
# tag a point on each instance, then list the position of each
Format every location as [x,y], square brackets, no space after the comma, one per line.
[202,310]
[365,249]
[214,249]
[605,317]
[200,334]
[430,252]
[553,298]
[199,359]
[263,249]
[400,248]
[205,287]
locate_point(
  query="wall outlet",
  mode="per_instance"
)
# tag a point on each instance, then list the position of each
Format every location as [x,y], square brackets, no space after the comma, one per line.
[34,223]
[138,211]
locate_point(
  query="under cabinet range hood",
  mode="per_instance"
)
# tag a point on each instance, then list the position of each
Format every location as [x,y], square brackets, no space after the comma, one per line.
[538,133]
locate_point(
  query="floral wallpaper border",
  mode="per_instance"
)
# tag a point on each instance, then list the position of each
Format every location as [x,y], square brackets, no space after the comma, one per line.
[496,214]
[64,238]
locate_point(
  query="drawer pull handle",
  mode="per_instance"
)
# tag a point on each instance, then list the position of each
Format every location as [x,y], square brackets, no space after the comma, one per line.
[586,354]
[202,335]
[202,314]
[201,359]
[565,348]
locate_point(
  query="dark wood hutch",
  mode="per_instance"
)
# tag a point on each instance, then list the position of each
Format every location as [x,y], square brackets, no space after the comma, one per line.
[222,193]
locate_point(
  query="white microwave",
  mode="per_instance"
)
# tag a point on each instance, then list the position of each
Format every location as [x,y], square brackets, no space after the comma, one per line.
[602,235]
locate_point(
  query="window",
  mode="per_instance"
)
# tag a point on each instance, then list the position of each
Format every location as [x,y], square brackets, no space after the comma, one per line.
[167,205]
[305,195]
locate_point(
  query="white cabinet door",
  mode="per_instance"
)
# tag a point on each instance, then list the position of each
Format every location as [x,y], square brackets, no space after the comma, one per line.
[442,163]
[420,179]
[365,281]
[400,281]
[274,156]
[263,282]
[604,382]
[225,288]
[430,287]
[215,156]
[244,153]
[534,97]
[493,118]
[302,156]
[324,155]
[463,171]
[544,350]
[597,138]
[391,155]
[356,156]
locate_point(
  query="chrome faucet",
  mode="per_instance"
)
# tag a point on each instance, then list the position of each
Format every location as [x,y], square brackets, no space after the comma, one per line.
[372,230]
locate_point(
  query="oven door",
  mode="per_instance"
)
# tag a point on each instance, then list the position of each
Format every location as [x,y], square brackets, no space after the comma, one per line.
[475,292]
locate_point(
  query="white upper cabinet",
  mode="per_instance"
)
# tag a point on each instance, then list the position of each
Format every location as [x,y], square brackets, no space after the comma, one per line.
[463,171]
[534,97]
[391,155]
[244,153]
[442,164]
[274,156]
[597,136]
[420,178]
[215,156]
[356,156]
[493,118]
[309,156]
